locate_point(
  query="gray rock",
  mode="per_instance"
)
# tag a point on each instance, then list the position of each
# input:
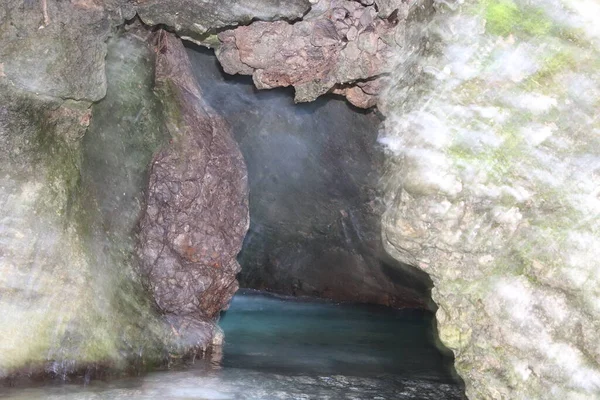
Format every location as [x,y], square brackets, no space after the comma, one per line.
[68,208]
[195,18]
[62,56]
[492,181]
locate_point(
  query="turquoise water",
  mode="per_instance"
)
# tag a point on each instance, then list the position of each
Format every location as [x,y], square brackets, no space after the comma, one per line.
[277,334]
[278,348]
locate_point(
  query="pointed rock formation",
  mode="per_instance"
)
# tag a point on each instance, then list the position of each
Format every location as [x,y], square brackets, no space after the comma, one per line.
[196,212]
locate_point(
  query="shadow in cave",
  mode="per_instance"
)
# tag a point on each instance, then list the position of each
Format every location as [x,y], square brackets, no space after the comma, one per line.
[315,201]
[315,234]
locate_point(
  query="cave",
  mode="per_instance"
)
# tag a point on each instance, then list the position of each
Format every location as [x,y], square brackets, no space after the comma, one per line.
[319,298]
[300,199]
[315,204]
[314,244]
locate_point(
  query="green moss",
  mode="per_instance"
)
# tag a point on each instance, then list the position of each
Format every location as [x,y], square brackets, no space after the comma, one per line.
[505,17]
[209,39]
[551,66]
[498,162]
[169,96]
[454,336]
[62,166]
[500,17]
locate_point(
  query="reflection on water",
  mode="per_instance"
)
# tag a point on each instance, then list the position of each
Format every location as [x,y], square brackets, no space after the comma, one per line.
[281,349]
[269,333]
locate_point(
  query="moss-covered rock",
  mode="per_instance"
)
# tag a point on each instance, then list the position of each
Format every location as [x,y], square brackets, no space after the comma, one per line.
[492,188]
[72,176]
[72,181]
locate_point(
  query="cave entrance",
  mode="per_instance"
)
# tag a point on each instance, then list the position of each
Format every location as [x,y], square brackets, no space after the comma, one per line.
[315,210]
[315,206]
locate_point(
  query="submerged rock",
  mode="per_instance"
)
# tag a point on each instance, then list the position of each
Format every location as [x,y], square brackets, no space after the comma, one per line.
[196,212]
[493,143]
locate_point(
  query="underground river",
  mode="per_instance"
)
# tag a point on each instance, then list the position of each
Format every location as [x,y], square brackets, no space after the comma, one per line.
[283,348]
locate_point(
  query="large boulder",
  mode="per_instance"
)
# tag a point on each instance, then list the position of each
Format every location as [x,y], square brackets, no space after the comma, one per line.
[196,213]
[492,187]
[70,298]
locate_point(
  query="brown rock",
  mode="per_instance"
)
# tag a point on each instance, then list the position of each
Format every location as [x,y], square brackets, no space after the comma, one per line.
[338,43]
[196,212]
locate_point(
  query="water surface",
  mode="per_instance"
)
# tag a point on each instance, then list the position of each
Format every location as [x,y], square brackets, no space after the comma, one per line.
[278,348]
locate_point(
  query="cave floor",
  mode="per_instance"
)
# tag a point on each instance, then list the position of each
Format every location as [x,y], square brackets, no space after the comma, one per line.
[284,348]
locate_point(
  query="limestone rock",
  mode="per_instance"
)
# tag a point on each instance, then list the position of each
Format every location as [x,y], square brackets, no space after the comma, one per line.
[61,55]
[196,212]
[68,297]
[195,18]
[337,45]
[492,188]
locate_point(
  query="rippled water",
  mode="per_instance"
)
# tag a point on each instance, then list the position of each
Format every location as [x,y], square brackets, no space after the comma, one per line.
[279,348]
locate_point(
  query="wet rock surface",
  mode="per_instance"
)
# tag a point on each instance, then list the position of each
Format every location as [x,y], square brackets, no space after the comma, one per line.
[196,212]
[493,153]
[68,298]
[340,46]
[314,205]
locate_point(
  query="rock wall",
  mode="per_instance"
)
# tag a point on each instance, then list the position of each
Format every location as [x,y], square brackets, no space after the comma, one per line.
[492,187]
[68,207]
[78,128]
[491,175]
